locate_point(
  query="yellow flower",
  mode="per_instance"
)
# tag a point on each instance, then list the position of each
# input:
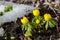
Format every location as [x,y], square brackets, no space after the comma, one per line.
[47,17]
[36,12]
[24,20]
[37,21]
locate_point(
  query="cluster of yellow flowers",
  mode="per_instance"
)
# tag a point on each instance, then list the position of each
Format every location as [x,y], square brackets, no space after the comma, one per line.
[36,12]
[37,20]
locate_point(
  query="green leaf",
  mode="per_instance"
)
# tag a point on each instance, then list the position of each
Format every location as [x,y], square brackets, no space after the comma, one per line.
[43,21]
[29,25]
[40,18]
[28,33]
[26,27]
[23,27]
[46,26]
[34,25]
[54,22]
[1,13]
[51,24]
[8,8]
[33,20]
[39,25]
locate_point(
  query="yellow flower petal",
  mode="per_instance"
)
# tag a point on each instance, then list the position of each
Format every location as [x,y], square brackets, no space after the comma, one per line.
[37,21]
[24,20]
[47,17]
[36,12]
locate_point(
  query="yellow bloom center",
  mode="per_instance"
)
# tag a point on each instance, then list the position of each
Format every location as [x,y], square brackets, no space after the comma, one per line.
[47,17]
[37,21]
[36,12]
[24,20]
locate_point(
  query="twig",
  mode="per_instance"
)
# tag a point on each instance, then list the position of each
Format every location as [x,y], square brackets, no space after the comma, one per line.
[57,27]
[51,37]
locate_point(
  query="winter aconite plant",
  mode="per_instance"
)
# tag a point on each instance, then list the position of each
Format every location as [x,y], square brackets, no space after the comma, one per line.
[37,19]
[29,26]
[49,21]
[26,26]
[37,22]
